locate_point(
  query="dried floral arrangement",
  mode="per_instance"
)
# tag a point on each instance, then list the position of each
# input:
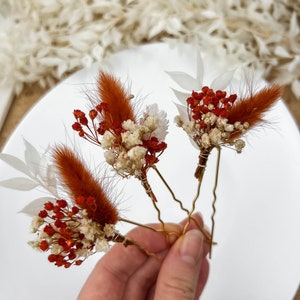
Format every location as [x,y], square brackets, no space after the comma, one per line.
[42,41]
[79,216]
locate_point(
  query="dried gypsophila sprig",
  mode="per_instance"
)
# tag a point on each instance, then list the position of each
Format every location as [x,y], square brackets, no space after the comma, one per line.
[213,119]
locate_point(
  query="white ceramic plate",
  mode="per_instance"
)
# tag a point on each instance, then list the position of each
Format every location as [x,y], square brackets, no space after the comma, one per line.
[257,221]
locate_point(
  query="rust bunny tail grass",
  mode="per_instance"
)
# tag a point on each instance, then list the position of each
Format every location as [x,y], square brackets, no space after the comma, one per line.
[253,108]
[86,191]
[113,93]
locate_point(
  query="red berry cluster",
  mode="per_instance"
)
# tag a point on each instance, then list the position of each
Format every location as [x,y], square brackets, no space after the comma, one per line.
[82,126]
[208,100]
[88,128]
[154,149]
[61,222]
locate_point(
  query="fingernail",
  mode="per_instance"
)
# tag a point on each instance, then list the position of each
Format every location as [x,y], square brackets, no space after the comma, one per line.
[192,246]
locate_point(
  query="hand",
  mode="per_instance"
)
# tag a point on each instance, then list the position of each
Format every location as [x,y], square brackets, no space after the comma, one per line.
[128,273]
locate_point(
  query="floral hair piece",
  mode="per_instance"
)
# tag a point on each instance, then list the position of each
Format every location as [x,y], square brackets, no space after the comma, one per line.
[80,217]
[213,119]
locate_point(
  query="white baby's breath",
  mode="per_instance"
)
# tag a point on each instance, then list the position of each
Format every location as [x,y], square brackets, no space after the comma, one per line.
[101,245]
[126,151]
[109,230]
[156,121]
[132,138]
[36,223]
[107,140]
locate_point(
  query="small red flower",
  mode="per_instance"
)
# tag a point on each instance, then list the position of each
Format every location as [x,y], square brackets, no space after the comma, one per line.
[78,114]
[61,226]
[77,126]
[43,214]
[200,103]
[113,108]
[44,246]
[93,114]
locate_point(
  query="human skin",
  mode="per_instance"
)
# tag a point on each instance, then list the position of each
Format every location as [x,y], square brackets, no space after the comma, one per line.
[175,271]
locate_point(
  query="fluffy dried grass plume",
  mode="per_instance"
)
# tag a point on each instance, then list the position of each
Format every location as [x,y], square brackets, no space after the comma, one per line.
[80,182]
[114,95]
[252,109]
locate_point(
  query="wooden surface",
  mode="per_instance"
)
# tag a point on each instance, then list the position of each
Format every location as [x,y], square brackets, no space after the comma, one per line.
[21,105]
[32,94]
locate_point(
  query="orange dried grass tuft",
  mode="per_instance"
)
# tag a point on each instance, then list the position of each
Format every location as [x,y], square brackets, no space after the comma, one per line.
[253,108]
[81,183]
[113,93]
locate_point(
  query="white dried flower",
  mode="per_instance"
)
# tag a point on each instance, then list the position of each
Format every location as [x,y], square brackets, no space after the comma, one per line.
[101,245]
[34,244]
[215,136]
[89,228]
[107,140]
[205,140]
[189,127]
[109,230]
[36,223]
[229,127]
[132,138]
[137,154]
[156,120]
[239,145]
[56,249]
[178,121]
[129,125]
[151,122]
[110,157]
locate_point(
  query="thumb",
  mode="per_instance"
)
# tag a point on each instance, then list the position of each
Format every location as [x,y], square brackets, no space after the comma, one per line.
[179,275]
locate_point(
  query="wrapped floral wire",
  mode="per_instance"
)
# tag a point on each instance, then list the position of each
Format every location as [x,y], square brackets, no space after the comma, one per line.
[213,119]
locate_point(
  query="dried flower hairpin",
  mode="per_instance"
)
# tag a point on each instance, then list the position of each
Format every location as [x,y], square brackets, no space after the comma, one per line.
[80,217]
[213,119]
